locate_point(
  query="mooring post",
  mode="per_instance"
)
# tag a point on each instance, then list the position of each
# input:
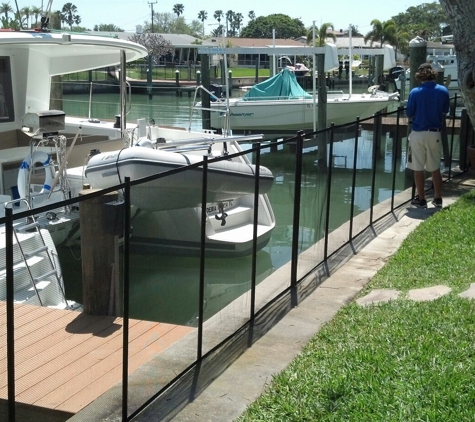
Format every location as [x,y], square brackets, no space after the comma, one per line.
[205,76]
[177,82]
[418,54]
[230,81]
[198,83]
[322,111]
[100,219]
[149,76]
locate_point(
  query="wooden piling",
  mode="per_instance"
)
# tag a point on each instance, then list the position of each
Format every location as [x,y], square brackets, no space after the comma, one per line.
[418,54]
[205,76]
[177,83]
[99,251]
[322,111]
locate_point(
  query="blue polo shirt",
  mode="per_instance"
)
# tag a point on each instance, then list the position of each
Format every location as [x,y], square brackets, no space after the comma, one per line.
[426,106]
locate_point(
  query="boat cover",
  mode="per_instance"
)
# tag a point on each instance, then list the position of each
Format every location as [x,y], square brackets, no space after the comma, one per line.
[282,86]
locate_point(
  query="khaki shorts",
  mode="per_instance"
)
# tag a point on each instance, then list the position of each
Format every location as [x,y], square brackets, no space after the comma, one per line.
[425,151]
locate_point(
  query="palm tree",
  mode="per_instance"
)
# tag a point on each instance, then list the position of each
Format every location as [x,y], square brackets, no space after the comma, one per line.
[218,15]
[321,34]
[69,15]
[202,16]
[5,8]
[402,42]
[355,31]
[237,21]
[229,19]
[26,13]
[178,9]
[382,32]
[218,32]
[36,12]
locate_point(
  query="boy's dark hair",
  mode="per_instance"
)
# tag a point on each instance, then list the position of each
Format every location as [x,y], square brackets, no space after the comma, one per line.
[426,72]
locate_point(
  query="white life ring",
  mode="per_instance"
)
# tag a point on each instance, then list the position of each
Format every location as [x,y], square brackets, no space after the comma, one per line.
[23,175]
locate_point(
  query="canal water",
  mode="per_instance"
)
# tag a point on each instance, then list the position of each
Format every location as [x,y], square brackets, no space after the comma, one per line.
[165,287]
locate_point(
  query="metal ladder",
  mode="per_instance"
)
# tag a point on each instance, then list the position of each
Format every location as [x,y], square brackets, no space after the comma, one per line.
[42,251]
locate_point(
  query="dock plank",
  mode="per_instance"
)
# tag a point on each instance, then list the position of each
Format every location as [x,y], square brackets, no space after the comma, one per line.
[64,359]
[98,377]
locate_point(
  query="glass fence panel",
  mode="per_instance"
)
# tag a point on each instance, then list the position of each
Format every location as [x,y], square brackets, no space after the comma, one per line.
[313,207]
[403,178]
[388,176]
[227,297]
[341,161]
[164,281]
[274,258]
[228,226]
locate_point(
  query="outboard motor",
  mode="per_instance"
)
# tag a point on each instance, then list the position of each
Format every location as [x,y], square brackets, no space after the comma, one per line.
[395,72]
[217,91]
[397,76]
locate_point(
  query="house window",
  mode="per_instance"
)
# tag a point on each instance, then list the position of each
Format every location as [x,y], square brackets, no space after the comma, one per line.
[6,96]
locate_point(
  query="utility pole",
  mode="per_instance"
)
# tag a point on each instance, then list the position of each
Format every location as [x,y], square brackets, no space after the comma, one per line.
[150,64]
[151,6]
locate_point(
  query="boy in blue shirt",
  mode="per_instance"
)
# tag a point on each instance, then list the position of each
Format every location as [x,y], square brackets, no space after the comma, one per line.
[427,106]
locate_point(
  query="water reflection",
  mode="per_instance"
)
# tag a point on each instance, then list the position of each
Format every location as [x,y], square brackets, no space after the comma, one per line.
[173,283]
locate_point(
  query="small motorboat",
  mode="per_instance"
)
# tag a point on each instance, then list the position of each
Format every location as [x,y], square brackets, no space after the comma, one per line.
[227,180]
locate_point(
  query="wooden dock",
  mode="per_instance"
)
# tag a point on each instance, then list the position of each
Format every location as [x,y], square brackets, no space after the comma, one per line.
[64,360]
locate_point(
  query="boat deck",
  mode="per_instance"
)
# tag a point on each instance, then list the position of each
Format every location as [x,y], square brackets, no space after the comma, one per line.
[64,360]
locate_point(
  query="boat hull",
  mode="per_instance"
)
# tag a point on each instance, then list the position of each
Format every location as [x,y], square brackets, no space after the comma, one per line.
[179,231]
[226,179]
[296,114]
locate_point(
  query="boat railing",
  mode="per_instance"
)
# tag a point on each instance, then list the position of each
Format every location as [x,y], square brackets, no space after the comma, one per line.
[128,99]
[223,111]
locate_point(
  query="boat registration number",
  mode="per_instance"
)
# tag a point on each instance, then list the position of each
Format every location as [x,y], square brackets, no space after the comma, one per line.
[214,207]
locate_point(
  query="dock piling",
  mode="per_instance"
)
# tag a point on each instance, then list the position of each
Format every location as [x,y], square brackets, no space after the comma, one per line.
[100,224]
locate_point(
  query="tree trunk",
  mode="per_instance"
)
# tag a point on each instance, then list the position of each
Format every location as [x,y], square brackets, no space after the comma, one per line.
[461,15]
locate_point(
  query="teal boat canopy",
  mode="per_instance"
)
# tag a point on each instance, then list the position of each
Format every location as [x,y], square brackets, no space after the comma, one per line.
[282,86]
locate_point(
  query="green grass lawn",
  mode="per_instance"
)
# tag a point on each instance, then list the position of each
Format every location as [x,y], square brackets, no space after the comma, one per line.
[397,361]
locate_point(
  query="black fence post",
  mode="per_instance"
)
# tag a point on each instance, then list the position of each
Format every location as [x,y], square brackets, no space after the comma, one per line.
[10,314]
[395,156]
[353,179]
[296,216]
[376,148]
[329,191]
[126,299]
[254,232]
[202,258]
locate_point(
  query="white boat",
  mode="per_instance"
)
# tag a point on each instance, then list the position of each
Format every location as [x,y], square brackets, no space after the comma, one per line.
[227,180]
[168,209]
[442,62]
[28,60]
[447,62]
[279,103]
[30,130]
